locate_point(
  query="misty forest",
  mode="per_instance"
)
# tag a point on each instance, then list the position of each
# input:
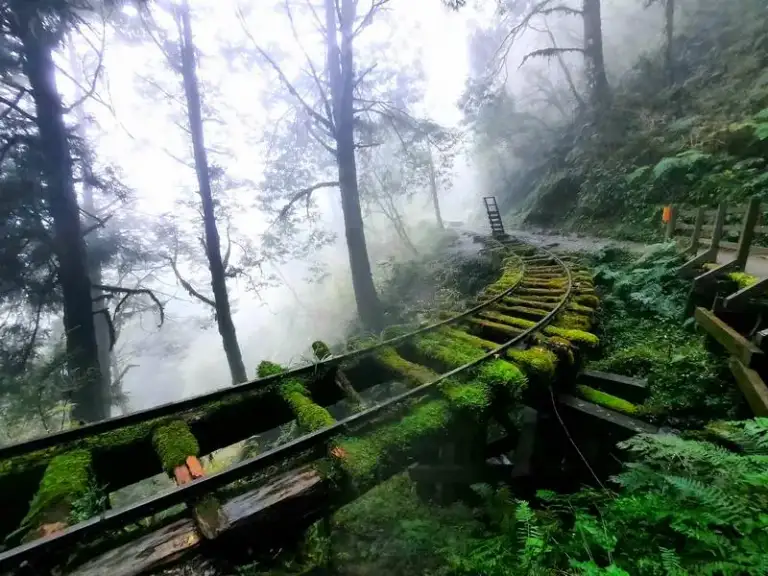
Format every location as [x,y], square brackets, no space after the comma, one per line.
[198,194]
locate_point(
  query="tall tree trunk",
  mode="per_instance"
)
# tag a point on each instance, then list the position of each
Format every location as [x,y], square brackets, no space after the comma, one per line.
[212,242]
[669,9]
[82,350]
[341,77]
[433,189]
[100,322]
[600,92]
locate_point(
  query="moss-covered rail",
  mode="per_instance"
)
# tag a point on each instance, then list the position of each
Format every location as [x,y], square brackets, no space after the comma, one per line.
[528,325]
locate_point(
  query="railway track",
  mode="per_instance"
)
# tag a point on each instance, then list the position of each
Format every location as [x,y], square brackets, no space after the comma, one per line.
[449,375]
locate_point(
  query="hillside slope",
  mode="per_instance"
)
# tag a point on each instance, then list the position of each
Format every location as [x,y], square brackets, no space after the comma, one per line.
[701,140]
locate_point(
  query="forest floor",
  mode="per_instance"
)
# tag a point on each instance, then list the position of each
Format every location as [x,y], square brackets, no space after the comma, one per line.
[757,265]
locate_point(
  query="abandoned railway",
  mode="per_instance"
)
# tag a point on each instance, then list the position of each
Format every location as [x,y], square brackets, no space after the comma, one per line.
[442,412]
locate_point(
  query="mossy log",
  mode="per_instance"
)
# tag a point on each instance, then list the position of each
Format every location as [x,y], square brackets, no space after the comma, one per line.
[67,478]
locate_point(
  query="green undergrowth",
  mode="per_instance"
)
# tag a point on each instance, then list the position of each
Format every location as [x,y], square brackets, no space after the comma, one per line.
[680,506]
[701,141]
[644,334]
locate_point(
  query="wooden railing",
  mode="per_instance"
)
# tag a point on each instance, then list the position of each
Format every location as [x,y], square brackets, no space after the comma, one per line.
[709,228]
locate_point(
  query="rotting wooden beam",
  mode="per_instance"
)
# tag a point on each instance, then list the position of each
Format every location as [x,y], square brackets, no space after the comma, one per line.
[634,390]
[744,350]
[715,273]
[741,298]
[752,386]
[625,426]
[279,497]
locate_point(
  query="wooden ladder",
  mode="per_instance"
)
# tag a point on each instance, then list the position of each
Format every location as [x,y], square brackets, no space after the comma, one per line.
[494,217]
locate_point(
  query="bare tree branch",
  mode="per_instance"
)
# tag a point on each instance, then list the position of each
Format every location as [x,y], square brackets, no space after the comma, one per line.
[304,193]
[14,105]
[131,292]
[549,53]
[368,18]
[320,140]
[97,73]
[101,222]
[225,260]
[283,78]
[188,287]
[313,71]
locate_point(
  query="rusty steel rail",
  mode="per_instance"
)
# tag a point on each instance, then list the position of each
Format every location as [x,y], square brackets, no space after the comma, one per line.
[316,441]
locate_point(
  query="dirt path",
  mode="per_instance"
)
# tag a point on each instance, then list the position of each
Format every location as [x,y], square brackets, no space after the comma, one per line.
[756,265]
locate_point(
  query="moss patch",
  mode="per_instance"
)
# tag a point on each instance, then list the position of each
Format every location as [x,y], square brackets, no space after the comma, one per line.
[413,374]
[173,443]
[742,279]
[607,400]
[538,360]
[67,478]
[366,455]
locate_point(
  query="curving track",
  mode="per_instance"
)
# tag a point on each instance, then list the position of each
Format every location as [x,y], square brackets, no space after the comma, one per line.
[538,301]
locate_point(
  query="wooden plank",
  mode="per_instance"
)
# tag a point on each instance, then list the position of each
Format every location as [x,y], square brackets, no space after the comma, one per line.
[717,233]
[710,227]
[715,273]
[632,389]
[744,350]
[624,425]
[295,495]
[752,386]
[694,247]
[696,262]
[756,250]
[279,494]
[748,232]
[149,552]
[745,295]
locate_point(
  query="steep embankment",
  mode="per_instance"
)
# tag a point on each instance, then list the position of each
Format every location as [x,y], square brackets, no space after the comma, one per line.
[701,140]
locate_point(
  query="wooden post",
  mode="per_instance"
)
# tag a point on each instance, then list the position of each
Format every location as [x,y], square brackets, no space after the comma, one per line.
[696,236]
[748,232]
[671,223]
[717,233]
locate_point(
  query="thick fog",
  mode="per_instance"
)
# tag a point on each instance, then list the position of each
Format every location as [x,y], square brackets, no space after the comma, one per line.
[134,132]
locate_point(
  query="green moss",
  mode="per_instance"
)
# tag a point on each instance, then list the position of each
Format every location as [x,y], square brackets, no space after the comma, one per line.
[462,336]
[67,478]
[742,279]
[506,319]
[552,292]
[454,353]
[574,336]
[538,360]
[573,321]
[589,300]
[367,455]
[495,326]
[521,310]
[544,283]
[413,374]
[173,443]
[537,304]
[580,309]
[310,416]
[473,397]
[607,400]
[267,368]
